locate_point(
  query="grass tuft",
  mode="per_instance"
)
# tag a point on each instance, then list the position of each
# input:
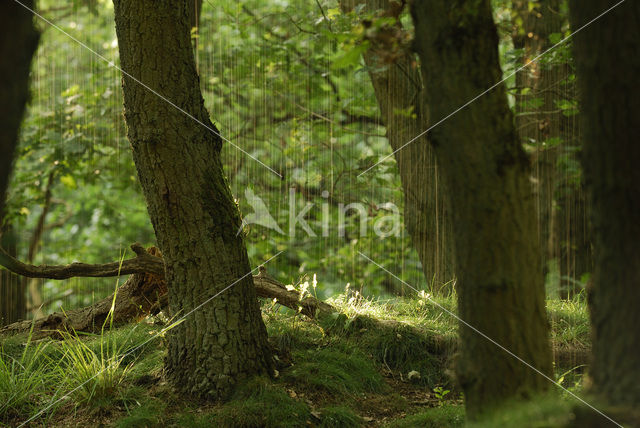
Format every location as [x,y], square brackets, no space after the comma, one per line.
[257,403]
[339,417]
[145,414]
[334,371]
[25,380]
[438,417]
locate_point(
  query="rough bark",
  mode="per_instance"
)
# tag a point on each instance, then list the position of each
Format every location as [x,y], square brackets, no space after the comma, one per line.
[500,288]
[398,89]
[608,66]
[191,208]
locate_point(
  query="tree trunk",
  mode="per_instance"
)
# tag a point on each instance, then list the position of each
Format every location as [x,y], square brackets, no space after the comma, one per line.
[398,89]
[573,238]
[500,287]
[18,43]
[195,9]
[189,202]
[537,120]
[13,304]
[560,202]
[608,66]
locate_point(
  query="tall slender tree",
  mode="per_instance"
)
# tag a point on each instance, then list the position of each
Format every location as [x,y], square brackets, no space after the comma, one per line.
[560,201]
[189,202]
[500,287]
[536,121]
[400,96]
[608,66]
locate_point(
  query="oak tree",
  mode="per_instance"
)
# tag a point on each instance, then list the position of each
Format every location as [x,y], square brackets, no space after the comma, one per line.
[500,286]
[176,149]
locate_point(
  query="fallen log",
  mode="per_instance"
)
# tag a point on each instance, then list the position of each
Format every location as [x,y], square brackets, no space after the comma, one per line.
[144,293]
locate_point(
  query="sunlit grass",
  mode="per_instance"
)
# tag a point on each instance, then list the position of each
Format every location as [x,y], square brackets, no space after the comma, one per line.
[569,322]
[90,374]
[335,363]
[424,311]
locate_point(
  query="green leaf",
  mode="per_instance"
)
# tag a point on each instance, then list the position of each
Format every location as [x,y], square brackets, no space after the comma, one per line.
[351,57]
[68,181]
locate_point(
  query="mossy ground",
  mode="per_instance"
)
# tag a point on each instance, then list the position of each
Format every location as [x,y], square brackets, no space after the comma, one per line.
[350,372]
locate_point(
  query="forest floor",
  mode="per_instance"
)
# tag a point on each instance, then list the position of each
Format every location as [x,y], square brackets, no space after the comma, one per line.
[341,374]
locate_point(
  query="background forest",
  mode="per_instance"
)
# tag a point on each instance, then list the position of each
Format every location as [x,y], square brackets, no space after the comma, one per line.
[298,99]
[314,156]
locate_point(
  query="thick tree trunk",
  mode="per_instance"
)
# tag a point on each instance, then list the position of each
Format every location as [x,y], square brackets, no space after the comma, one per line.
[18,43]
[398,89]
[189,202]
[608,66]
[500,288]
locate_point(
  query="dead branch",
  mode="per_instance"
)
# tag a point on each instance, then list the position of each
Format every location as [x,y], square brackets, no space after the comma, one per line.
[144,293]
[269,288]
[142,263]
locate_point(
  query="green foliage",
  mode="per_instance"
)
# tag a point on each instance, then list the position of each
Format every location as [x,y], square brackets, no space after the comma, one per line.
[286,82]
[293,331]
[440,393]
[406,350]
[418,336]
[97,369]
